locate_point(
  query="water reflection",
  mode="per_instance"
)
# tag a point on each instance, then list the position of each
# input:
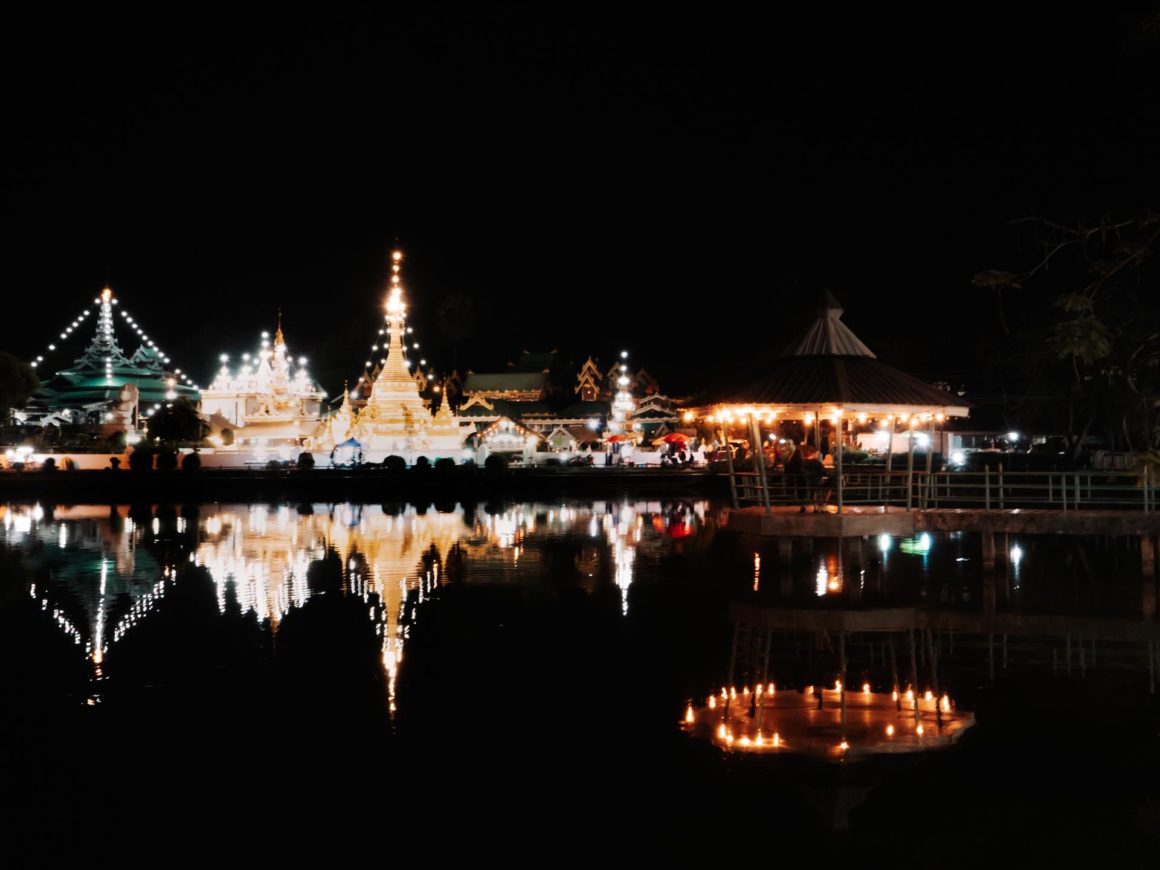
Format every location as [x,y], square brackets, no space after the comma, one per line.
[106,569]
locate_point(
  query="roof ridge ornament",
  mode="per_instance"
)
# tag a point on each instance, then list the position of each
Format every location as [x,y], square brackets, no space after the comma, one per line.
[828,335]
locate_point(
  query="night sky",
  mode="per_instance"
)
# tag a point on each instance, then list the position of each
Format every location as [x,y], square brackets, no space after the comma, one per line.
[681,185]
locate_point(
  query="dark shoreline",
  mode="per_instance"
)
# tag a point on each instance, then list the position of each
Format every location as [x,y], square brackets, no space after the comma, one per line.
[366,484]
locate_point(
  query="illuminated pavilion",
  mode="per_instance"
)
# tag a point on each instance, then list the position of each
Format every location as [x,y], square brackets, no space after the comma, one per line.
[830,376]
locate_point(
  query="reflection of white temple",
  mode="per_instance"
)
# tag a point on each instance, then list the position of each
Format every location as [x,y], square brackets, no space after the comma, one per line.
[268,408]
[396,419]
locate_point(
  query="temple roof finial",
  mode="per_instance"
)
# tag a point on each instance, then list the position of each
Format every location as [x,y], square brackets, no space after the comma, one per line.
[279,338]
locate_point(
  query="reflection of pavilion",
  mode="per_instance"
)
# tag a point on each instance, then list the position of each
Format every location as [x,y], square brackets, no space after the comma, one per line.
[905,651]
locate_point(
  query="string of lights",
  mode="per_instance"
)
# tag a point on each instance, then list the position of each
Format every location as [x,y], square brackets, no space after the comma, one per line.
[395,308]
[105,338]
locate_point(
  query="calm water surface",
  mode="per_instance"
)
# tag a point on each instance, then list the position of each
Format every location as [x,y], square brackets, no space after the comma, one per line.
[514,673]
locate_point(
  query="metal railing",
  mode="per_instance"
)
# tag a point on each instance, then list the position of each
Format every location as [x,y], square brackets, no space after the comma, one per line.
[990,489]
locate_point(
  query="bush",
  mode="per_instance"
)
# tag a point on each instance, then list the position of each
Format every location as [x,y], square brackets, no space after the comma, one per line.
[305,461]
[273,465]
[141,459]
[395,464]
[422,464]
[445,466]
[114,463]
[49,464]
[496,464]
[190,462]
[227,437]
[166,460]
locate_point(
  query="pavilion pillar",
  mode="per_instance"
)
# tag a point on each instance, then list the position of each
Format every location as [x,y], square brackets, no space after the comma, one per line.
[929,462]
[729,459]
[838,462]
[759,460]
[889,442]
[909,466]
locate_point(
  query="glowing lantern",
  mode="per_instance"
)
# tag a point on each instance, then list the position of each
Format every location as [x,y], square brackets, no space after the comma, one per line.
[946,703]
[745,691]
[776,740]
[889,730]
[919,730]
[865,688]
[843,746]
[721,731]
[770,689]
[894,695]
[837,685]
[689,715]
[712,702]
[929,696]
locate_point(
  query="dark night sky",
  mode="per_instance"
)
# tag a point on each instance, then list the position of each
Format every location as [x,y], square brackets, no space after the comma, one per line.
[680,185]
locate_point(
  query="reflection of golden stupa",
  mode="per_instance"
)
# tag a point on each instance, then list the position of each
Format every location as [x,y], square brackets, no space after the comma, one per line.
[396,419]
[267,553]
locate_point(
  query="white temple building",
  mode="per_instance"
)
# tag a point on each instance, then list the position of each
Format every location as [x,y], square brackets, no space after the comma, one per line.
[269,408]
[396,419]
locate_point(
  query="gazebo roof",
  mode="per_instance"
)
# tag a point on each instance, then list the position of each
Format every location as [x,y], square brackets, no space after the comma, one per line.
[830,368]
[858,383]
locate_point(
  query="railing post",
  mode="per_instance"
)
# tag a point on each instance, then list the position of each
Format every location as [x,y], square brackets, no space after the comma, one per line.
[1000,486]
[1078,490]
[987,486]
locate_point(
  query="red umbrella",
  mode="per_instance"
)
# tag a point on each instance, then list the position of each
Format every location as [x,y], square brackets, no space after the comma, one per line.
[674,437]
[614,438]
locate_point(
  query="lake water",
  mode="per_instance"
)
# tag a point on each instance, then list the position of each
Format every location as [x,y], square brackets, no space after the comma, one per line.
[457,684]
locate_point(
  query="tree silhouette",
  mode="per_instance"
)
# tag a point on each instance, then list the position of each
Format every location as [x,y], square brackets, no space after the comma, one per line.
[18,381]
[178,423]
